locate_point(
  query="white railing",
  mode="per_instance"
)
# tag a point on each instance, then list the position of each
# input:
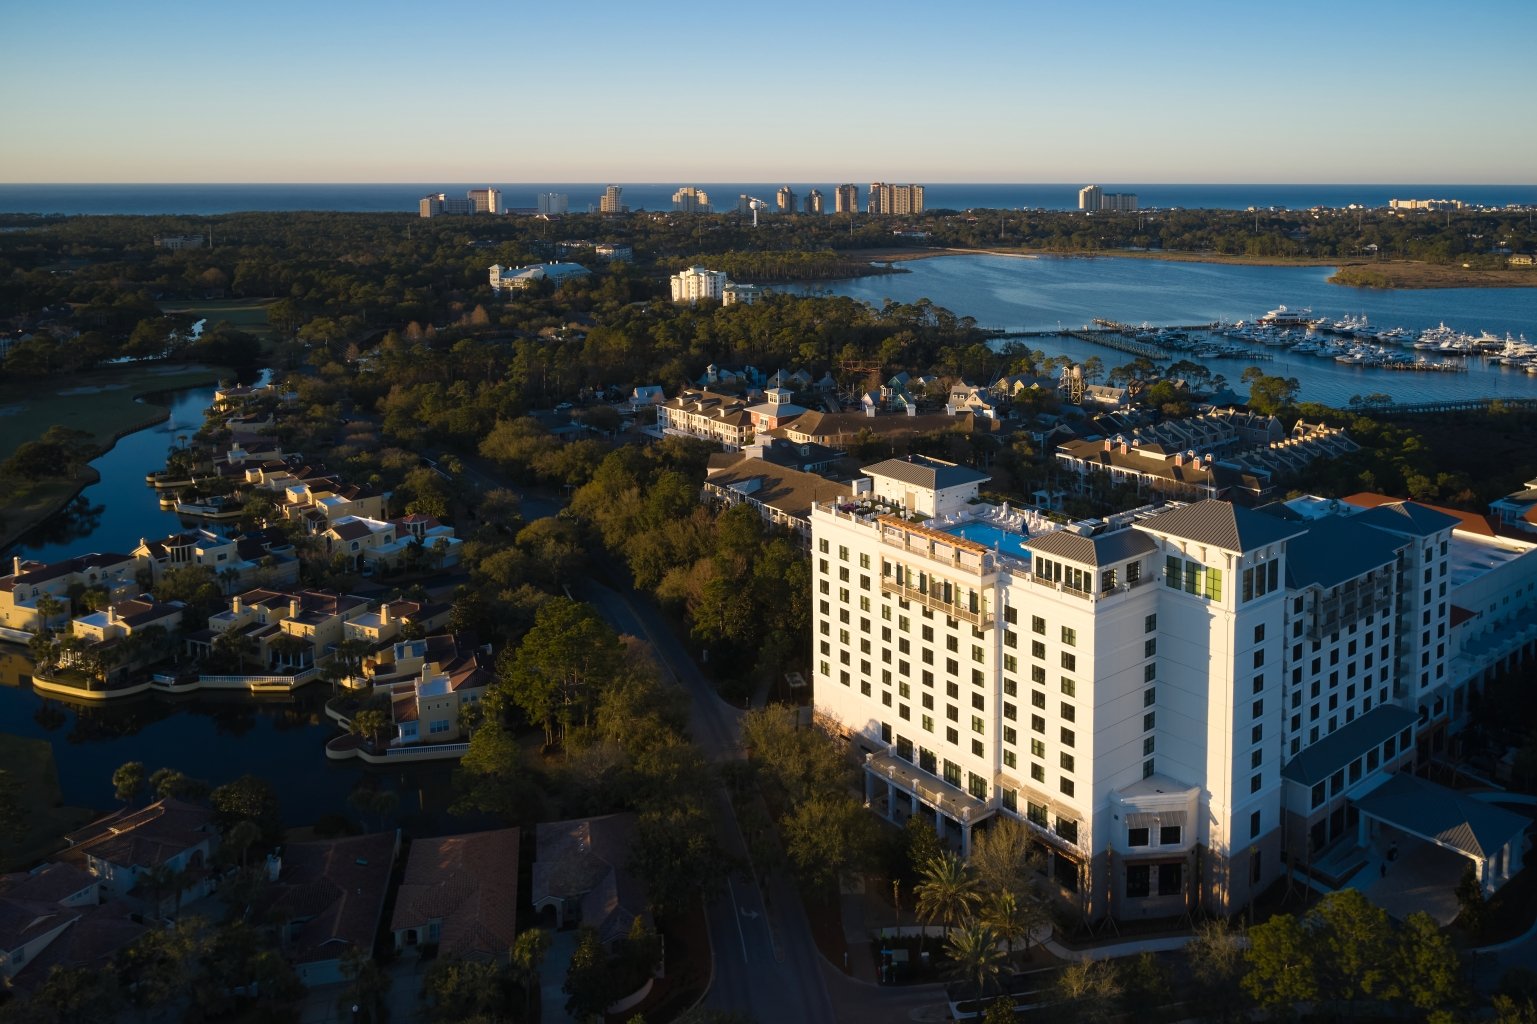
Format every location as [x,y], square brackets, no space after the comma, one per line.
[429,750]
[295,679]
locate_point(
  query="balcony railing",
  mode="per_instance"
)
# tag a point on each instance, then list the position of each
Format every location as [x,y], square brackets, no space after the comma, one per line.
[980,619]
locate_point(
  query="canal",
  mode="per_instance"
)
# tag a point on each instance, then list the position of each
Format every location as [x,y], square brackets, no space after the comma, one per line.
[214,737]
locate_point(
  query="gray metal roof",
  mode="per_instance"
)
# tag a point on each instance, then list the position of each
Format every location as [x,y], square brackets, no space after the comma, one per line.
[1104,549]
[1345,744]
[1408,517]
[1223,525]
[1446,816]
[922,471]
[1336,549]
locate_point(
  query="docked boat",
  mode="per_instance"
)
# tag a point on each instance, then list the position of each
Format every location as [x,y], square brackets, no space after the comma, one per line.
[1283,317]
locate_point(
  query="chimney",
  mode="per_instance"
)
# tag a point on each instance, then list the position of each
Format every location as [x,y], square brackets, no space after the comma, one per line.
[1109,444]
[112,613]
[237,605]
[1179,458]
[384,613]
[1125,448]
[293,607]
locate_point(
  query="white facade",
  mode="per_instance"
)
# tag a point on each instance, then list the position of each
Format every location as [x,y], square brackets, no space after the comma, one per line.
[556,203]
[689,199]
[1170,697]
[696,284]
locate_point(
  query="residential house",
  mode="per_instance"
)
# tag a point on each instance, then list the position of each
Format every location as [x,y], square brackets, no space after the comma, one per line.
[30,581]
[582,876]
[646,395]
[36,908]
[332,894]
[290,632]
[69,937]
[427,708]
[135,851]
[384,625]
[420,541]
[968,398]
[459,894]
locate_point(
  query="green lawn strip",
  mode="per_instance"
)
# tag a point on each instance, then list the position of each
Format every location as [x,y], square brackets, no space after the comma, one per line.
[36,778]
[248,315]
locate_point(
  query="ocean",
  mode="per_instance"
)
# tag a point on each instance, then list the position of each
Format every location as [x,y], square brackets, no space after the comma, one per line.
[202,199]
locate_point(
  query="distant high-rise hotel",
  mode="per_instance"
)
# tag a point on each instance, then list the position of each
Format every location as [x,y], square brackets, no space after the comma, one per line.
[846,199]
[554,203]
[895,199]
[689,199]
[611,201]
[485,200]
[1093,198]
[813,202]
[440,205]
[786,199]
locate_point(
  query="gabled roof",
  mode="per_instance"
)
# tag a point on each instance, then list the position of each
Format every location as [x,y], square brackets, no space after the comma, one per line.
[1447,816]
[921,471]
[143,838]
[1222,525]
[467,883]
[588,858]
[1335,549]
[1104,549]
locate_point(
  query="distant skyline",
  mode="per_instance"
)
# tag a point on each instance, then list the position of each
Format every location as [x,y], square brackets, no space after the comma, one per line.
[179,91]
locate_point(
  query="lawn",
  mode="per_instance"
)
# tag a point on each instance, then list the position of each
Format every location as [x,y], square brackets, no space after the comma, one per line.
[100,402]
[249,315]
[36,779]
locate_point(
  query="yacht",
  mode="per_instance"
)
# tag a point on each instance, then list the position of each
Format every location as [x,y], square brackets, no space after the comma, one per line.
[1283,317]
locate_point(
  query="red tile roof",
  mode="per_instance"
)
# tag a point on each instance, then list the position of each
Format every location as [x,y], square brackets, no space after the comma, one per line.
[469,884]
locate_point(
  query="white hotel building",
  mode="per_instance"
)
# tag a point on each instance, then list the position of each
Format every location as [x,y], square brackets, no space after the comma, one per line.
[1171,697]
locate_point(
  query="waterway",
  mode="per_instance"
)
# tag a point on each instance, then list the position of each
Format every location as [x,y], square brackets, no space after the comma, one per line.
[214,737]
[1040,294]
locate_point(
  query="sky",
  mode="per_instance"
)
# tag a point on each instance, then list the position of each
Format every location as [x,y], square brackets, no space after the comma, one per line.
[1024,91]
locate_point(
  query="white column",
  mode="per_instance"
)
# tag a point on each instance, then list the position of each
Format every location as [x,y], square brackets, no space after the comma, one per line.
[965,840]
[891,800]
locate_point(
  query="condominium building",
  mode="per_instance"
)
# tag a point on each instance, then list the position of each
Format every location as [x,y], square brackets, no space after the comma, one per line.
[1094,199]
[697,284]
[813,202]
[1438,205]
[553,203]
[895,199]
[1175,700]
[785,199]
[846,199]
[486,200]
[440,205]
[689,199]
[612,201]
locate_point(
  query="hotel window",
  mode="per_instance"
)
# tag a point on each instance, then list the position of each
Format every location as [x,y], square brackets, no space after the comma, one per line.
[1149,720]
[1147,745]
[1136,837]
[1149,672]
[1009,711]
[864,561]
[976,749]
[1150,647]
[1150,623]
[1067,737]
[1011,615]
[1067,762]
[1149,696]
[1009,664]
[1037,773]
[976,724]
[1037,724]
[1009,735]
[1037,650]
[1069,636]
[1009,759]
[1069,713]
[1069,688]
[928,701]
[1069,661]
[1066,786]
[1037,698]
[1037,674]
[1038,748]
[1037,625]
[978,702]
[952,713]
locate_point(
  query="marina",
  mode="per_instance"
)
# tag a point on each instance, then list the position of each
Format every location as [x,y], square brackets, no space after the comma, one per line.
[1052,304]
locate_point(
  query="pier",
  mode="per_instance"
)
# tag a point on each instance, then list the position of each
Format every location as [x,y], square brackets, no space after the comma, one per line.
[1112,334]
[1462,405]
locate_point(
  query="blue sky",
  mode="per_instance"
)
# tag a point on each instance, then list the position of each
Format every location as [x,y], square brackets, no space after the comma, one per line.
[332,90]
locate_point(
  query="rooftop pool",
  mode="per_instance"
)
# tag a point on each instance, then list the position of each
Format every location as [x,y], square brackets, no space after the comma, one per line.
[995,538]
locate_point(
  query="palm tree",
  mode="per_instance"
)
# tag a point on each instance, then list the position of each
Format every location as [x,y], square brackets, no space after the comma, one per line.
[975,956]
[947,893]
[528,951]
